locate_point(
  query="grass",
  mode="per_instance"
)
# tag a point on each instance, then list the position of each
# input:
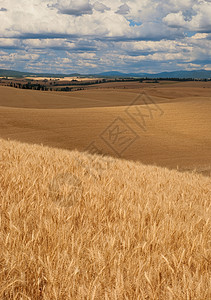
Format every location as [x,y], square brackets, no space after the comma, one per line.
[78,226]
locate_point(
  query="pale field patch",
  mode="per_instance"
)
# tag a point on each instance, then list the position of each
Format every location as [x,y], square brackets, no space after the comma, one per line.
[63,78]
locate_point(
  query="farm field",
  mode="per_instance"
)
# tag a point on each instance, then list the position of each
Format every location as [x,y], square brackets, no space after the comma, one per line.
[81,226]
[105,150]
[173,130]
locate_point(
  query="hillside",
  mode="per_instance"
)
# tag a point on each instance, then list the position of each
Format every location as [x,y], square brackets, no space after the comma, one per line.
[199,74]
[180,138]
[18,74]
[81,226]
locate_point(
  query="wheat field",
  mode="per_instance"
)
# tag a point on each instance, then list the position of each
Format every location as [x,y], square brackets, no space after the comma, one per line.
[82,226]
[179,139]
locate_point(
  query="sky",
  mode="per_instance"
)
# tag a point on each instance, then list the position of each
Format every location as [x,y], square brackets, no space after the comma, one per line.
[89,36]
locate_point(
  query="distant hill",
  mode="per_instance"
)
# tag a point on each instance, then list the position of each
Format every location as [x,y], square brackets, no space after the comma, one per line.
[112,74]
[200,74]
[12,73]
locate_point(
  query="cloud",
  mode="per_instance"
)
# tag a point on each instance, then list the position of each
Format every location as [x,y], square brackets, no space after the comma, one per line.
[6,43]
[196,18]
[96,20]
[100,7]
[19,56]
[198,36]
[207,67]
[75,8]
[123,9]
[189,14]
[128,35]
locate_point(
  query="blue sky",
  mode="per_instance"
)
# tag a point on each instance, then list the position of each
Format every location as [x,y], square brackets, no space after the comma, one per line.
[89,36]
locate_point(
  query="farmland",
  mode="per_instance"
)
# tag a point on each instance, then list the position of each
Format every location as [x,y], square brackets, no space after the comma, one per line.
[176,135]
[81,226]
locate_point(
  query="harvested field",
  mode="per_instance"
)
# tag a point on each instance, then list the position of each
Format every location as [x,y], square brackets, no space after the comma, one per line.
[179,138]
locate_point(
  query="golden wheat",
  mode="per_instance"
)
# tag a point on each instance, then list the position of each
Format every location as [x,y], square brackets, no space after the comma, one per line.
[81,226]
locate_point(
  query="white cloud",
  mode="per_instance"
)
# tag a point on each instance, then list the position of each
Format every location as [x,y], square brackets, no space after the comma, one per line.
[117,34]
[199,21]
[10,43]
[19,57]
[207,67]
[198,36]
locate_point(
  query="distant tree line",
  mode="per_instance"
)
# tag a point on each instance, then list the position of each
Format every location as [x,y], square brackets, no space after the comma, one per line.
[29,86]
[40,87]
[177,79]
[67,87]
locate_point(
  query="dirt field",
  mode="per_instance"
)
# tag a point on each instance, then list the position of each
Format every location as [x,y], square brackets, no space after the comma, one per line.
[169,125]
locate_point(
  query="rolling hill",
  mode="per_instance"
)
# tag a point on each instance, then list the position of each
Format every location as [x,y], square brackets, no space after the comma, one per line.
[180,138]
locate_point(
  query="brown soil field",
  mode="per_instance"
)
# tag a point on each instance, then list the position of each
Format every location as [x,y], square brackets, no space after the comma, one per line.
[168,125]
